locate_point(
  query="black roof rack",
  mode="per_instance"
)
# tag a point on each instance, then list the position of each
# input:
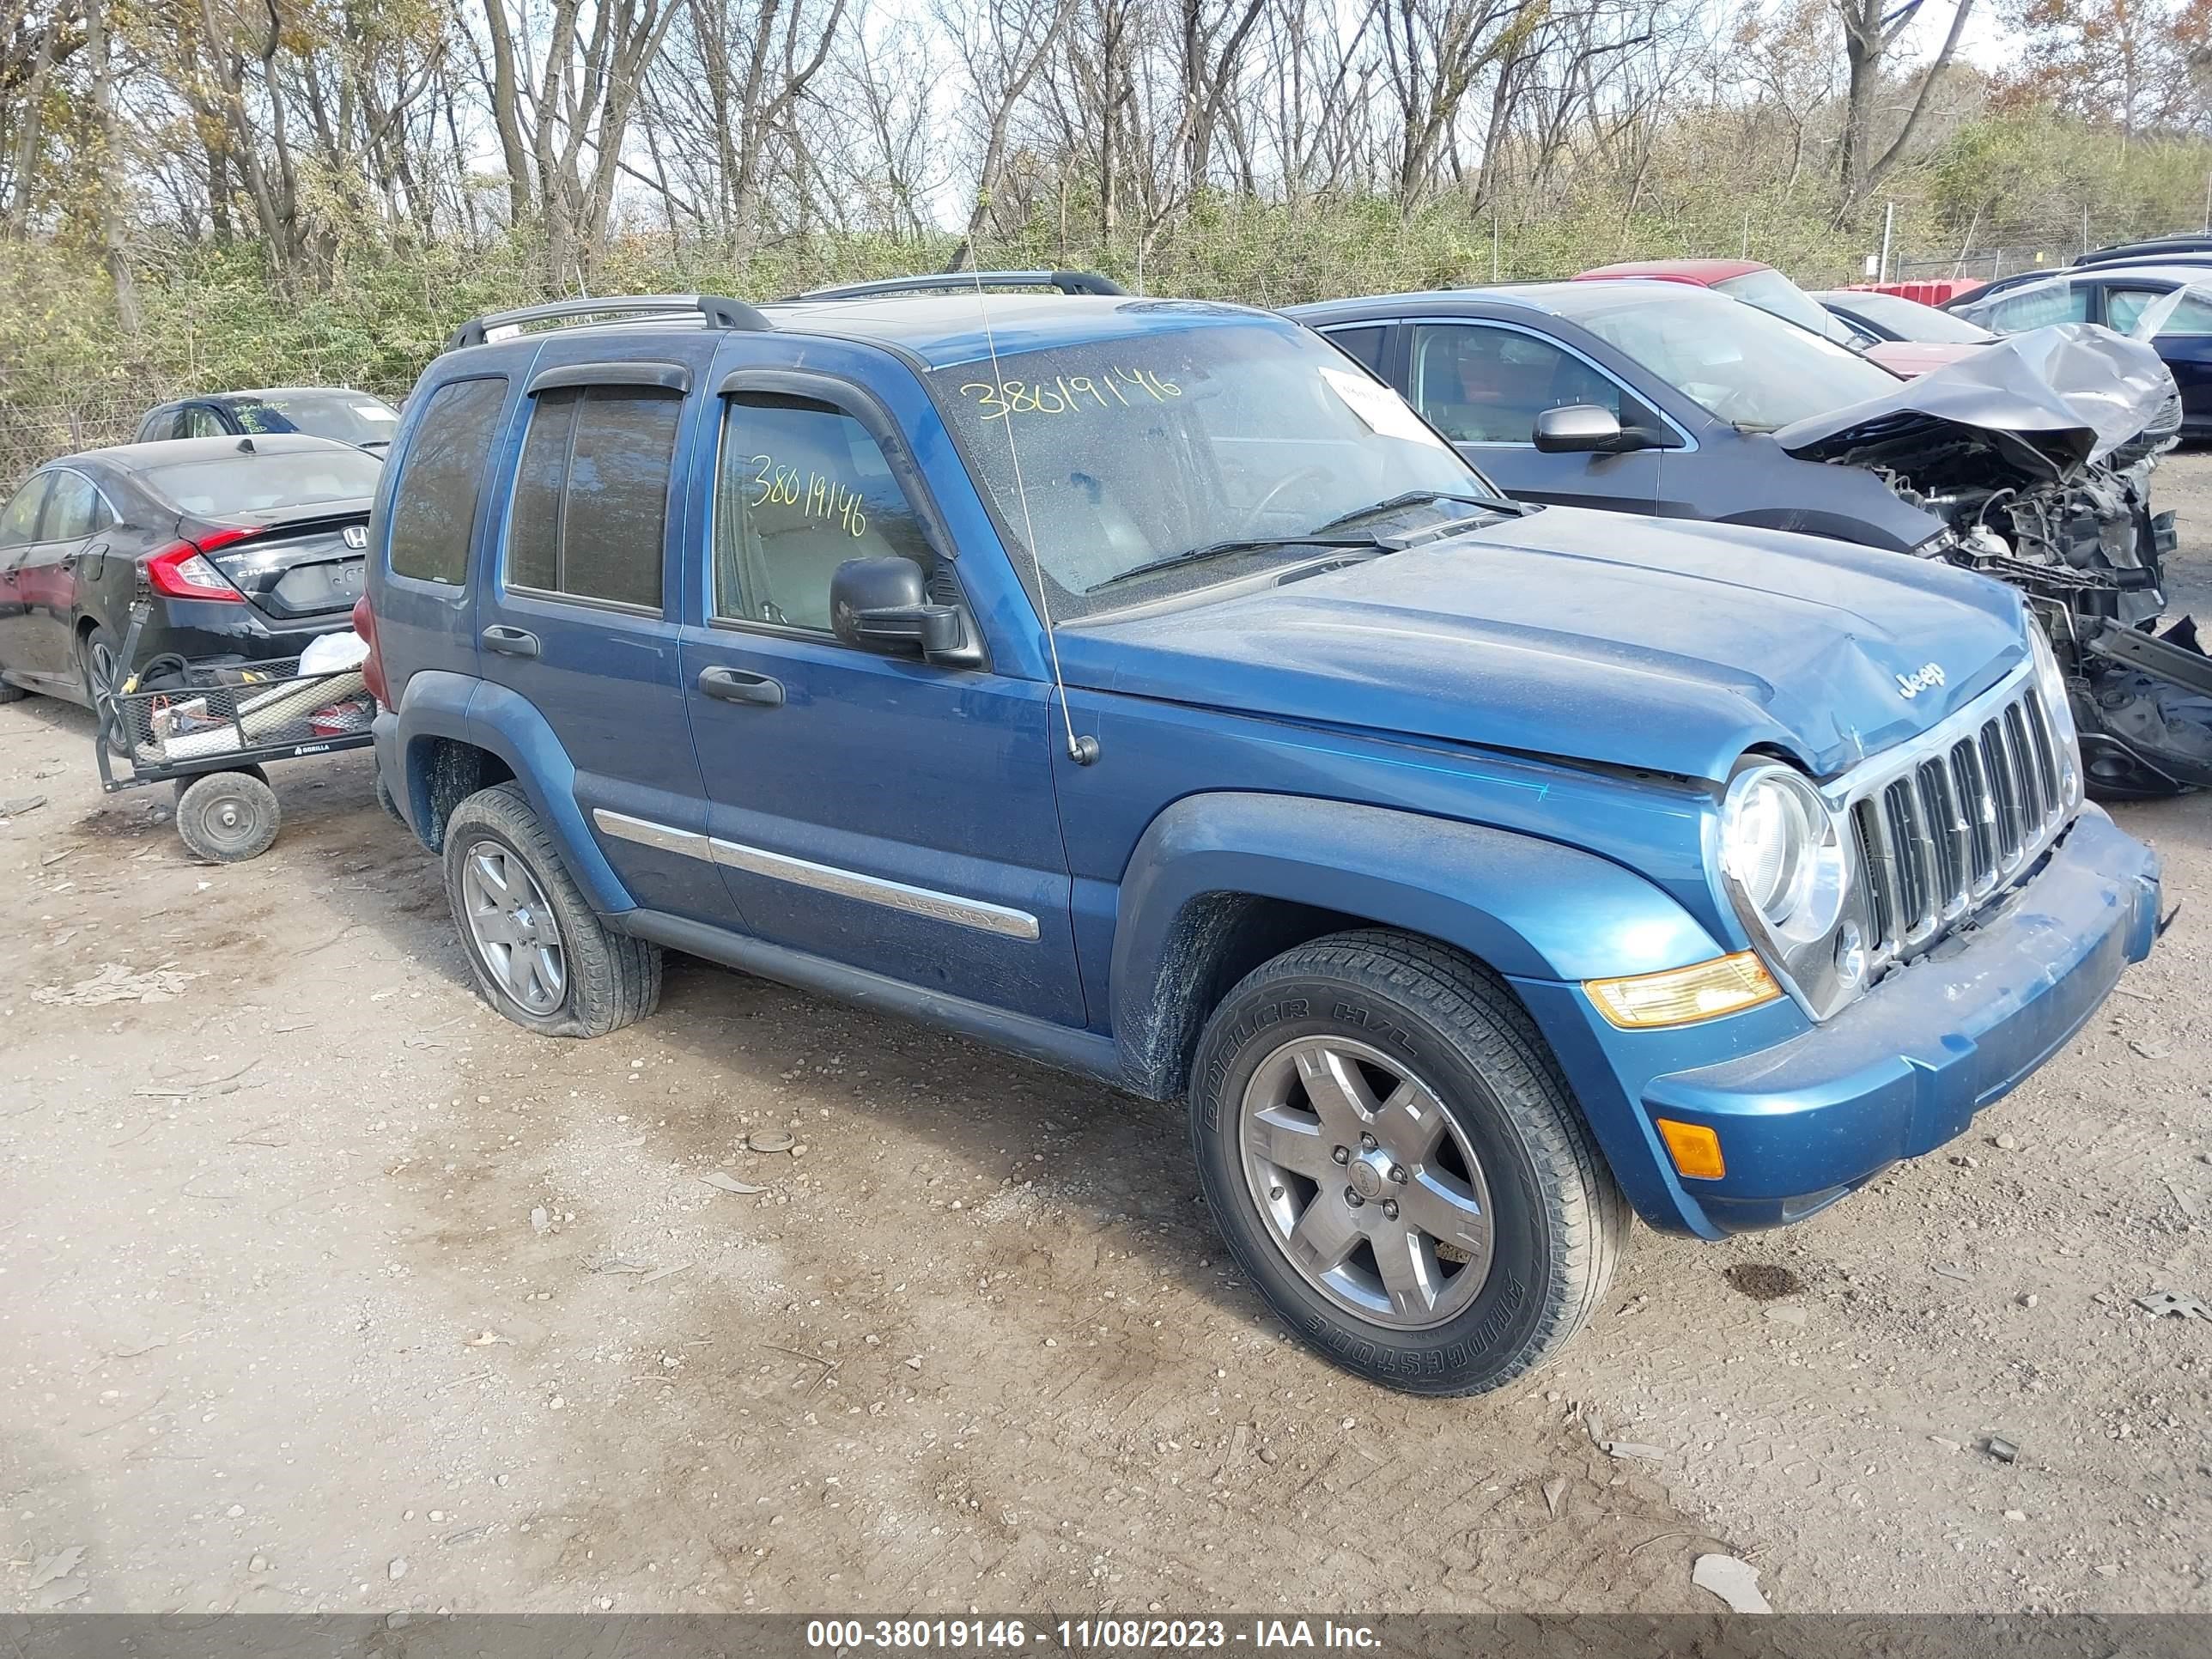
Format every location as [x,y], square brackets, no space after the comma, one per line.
[1066,282]
[717,311]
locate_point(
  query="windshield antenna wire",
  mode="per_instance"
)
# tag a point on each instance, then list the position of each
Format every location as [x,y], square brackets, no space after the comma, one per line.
[1081,750]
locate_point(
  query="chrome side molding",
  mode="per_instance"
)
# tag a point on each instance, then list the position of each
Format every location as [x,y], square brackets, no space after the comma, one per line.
[822,878]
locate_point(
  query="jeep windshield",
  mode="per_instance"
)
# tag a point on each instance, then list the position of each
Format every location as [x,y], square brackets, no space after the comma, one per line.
[1745,365]
[1175,459]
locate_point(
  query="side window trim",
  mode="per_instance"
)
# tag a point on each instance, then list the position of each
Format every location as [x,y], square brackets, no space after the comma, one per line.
[666,377]
[1629,394]
[552,380]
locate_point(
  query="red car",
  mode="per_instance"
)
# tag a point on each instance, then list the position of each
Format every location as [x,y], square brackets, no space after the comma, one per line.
[1763,286]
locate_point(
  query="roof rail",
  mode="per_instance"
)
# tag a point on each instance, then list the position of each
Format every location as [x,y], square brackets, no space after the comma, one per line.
[1066,282]
[717,311]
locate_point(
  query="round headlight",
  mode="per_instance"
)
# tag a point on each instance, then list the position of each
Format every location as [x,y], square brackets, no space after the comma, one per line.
[1780,850]
[1767,837]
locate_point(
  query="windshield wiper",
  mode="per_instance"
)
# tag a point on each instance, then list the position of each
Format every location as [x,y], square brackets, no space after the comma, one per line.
[1417,498]
[1240,544]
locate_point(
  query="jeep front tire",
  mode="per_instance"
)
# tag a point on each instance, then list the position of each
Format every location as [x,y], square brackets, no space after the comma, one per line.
[1390,1152]
[540,954]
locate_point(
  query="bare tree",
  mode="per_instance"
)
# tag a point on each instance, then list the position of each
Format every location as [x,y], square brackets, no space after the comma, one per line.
[568,107]
[1871,31]
[1002,45]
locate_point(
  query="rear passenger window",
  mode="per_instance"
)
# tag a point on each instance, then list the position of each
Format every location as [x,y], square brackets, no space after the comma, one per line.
[802,487]
[590,498]
[74,510]
[433,500]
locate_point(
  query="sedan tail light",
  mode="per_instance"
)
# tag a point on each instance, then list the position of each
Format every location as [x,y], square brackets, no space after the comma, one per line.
[372,667]
[182,570]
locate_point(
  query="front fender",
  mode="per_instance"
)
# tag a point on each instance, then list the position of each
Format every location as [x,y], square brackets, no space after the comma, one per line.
[1527,908]
[439,704]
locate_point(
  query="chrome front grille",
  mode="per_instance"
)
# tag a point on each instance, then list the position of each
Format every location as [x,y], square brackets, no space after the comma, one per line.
[1943,824]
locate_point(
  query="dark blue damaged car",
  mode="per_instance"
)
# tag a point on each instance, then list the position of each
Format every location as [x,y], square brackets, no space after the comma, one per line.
[1139,687]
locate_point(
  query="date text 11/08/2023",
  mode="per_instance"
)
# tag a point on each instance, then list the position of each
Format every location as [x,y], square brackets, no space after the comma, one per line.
[955,1635]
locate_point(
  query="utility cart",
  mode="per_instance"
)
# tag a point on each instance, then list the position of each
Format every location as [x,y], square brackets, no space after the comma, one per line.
[212,728]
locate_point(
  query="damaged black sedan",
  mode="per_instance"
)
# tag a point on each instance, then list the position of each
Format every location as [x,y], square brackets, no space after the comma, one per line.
[2029,460]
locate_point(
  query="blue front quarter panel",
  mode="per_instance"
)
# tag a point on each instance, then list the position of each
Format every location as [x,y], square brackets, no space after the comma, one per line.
[1531,908]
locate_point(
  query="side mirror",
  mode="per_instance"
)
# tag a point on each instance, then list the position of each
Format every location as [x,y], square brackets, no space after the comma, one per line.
[1579,428]
[884,605]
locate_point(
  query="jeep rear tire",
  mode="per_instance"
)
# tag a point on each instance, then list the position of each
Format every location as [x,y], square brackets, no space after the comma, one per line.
[1390,1152]
[540,954]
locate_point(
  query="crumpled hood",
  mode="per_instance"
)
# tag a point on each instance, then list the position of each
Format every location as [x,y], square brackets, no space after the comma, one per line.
[2047,402]
[1592,637]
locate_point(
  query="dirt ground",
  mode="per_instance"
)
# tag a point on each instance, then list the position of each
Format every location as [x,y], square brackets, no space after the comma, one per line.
[322,1287]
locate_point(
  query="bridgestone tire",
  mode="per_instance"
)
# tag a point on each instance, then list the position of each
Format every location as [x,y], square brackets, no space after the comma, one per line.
[1558,1220]
[613,979]
[227,817]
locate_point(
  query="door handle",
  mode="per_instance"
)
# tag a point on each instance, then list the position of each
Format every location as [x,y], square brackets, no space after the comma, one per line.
[510,641]
[735,685]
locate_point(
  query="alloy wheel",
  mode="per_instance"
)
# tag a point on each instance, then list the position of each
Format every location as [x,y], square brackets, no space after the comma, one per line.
[513,927]
[1368,1188]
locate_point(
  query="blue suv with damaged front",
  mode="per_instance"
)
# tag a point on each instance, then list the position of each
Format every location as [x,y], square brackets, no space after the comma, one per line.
[1138,686]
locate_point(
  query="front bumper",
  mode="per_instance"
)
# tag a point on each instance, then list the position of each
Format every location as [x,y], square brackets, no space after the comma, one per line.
[1904,1069]
[1805,1113]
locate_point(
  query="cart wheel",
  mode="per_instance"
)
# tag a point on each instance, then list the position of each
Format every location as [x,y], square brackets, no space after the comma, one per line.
[183,785]
[226,817]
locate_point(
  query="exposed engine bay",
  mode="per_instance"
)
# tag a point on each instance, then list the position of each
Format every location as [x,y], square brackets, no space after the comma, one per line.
[2035,455]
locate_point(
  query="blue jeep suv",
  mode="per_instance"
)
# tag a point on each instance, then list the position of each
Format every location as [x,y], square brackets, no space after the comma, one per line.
[1140,687]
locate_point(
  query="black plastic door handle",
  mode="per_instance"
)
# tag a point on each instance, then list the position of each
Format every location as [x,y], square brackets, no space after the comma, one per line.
[510,641]
[735,685]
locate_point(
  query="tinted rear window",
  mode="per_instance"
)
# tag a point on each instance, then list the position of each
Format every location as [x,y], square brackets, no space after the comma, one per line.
[251,483]
[1363,343]
[590,498]
[433,500]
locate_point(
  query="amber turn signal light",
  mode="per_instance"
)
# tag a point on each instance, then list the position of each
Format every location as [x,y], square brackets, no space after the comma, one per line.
[1695,1149]
[1682,996]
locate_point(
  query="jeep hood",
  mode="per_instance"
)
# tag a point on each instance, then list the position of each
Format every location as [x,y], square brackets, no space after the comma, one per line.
[2038,406]
[1591,636]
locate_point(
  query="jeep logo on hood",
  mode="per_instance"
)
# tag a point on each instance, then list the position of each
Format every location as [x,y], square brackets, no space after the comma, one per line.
[1910,686]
